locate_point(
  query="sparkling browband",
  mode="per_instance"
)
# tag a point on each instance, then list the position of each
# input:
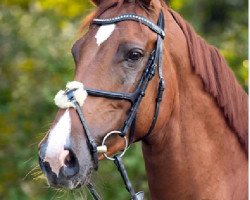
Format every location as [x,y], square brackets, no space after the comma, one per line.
[130,17]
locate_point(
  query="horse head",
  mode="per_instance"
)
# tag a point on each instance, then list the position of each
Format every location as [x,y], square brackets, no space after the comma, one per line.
[112,61]
[176,94]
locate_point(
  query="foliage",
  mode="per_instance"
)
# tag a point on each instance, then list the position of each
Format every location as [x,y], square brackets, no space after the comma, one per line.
[35,41]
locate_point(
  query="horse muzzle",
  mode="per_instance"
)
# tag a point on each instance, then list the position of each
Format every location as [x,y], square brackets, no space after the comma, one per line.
[62,170]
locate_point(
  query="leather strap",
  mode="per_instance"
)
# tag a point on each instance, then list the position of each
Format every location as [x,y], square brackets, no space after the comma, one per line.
[161,86]
[154,62]
[132,17]
[93,192]
[90,141]
[121,168]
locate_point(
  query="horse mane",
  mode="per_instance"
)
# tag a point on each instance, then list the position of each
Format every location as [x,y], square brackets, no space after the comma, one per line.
[218,80]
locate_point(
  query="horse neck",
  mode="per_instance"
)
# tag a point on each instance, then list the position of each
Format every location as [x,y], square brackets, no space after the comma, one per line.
[195,155]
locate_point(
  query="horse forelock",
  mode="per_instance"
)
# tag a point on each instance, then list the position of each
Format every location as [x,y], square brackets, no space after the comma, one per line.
[218,80]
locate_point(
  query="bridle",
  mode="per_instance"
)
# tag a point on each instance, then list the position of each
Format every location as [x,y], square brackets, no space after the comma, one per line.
[154,64]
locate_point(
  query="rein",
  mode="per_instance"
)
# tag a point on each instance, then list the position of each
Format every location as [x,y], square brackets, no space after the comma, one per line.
[154,64]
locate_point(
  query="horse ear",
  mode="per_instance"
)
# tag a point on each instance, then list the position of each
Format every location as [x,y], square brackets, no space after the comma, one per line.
[96,2]
[146,3]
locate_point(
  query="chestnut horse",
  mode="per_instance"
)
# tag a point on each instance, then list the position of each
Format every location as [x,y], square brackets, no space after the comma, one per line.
[198,146]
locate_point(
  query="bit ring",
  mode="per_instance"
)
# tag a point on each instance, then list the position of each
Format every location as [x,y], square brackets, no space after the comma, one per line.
[125,142]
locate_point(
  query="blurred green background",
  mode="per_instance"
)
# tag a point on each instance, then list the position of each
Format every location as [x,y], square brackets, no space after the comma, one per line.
[35,62]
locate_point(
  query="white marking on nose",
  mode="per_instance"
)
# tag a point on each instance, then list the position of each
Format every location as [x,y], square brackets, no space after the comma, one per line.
[58,138]
[104,33]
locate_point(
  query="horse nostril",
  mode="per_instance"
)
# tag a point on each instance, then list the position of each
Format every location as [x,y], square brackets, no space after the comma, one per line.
[71,165]
[61,167]
[70,160]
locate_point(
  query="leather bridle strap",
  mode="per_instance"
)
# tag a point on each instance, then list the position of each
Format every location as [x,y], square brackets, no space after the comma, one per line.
[155,61]
[161,87]
[90,141]
[132,17]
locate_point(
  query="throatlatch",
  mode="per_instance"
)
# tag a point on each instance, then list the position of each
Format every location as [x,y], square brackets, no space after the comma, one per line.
[75,94]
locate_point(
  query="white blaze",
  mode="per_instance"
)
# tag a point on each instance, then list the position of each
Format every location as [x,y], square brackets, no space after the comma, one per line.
[104,33]
[58,138]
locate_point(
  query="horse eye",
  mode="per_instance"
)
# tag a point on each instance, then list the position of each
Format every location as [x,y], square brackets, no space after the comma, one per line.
[134,55]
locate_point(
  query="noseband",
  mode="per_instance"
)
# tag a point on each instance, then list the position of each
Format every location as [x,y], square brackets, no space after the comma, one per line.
[154,64]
